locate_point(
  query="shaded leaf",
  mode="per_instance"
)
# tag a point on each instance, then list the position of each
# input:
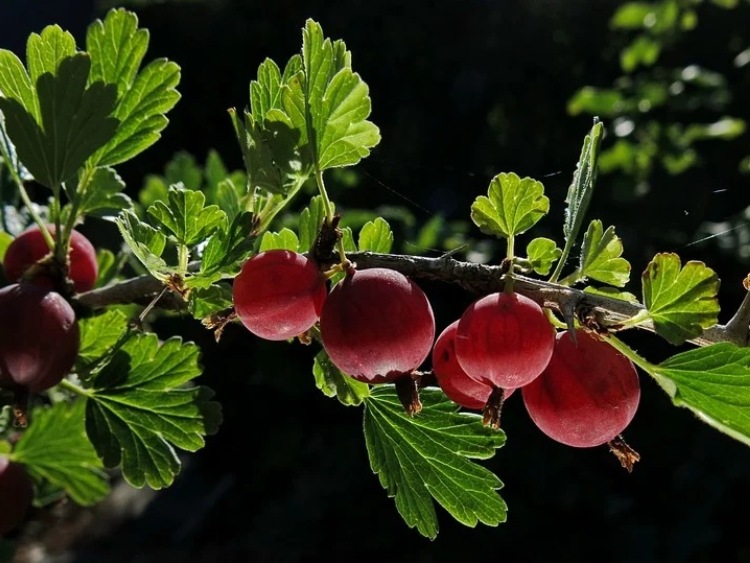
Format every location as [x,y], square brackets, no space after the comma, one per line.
[542,253]
[140,409]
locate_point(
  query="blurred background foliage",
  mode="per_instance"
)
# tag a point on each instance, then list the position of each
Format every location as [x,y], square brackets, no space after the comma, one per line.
[461,91]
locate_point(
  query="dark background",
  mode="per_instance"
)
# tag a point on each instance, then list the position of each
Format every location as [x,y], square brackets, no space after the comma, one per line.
[461,91]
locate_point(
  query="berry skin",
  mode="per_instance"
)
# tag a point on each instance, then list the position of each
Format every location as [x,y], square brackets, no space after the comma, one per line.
[38,337]
[16,494]
[377,325]
[504,340]
[279,294]
[452,379]
[30,246]
[587,395]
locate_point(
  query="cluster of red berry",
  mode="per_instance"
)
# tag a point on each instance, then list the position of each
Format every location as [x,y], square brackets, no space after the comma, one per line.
[377,326]
[38,339]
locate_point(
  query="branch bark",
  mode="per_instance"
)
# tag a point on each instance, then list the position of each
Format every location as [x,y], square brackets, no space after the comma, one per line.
[481,279]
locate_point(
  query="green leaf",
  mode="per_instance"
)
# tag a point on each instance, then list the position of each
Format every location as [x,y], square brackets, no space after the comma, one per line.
[333,101]
[713,382]
[71,122]
[107,265]
[117,48]
[542,253]
[333,383]
[582,187]
[601,256]
[376,236]
[427,457]
[512,206]
[99,334]
[310,220]
[227,249]
[642,51]
[104,195]
[146,242]
[286,239]
[185,216]
[681,301]
[55,447]
[205,301]
[612,293]
[139,409]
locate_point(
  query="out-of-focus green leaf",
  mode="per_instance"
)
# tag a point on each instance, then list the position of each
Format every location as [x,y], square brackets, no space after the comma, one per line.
[54,447]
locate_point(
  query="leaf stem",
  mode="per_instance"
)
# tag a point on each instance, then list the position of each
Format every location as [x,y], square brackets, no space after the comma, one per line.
[329,212]
[72,387]
[510,260]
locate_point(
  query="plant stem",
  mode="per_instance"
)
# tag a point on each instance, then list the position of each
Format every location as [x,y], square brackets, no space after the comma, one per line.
[329,212]
[70,386]
[510,258]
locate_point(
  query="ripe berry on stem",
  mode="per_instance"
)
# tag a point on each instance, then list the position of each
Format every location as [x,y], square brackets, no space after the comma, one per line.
[38,337]
[587,395]
[29,247]
[279,294]
[16,494]
[504,340]
[377,326]
[452,379]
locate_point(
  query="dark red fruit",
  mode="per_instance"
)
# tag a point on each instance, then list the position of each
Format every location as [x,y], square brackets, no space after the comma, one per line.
[279,294]
[38,337]
[587,395]
[452,379]
[504,340]
[29,247]
[16,494]
[377,325]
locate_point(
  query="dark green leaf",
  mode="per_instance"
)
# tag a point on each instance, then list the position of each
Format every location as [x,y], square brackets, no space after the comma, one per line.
[73,121]
[601,256]
[427,457]
[511,207]
[333,383]
[55,447]
[681,301]
[140,409]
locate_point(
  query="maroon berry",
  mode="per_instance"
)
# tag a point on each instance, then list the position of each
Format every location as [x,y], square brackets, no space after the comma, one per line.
[377,325]
[29,247]
[504,340]
[279,294]
[588,393]
[38,337]
[16,494]
[452,379]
